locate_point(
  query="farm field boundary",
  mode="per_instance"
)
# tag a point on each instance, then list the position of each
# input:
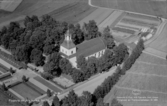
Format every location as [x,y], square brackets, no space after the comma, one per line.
[111,19]
[149,7]
[147,75]
[10,5]
[25,91]
[160,43]
[52,87]
[72,13]
[155,52]
[98,16]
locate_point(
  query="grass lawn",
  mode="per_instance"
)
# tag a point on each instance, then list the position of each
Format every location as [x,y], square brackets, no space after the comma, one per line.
[26,91]
[44,82]
[34,87]
[3,68]
[148,74]
[161,42]
[151,7]
[5,77]
[4,100]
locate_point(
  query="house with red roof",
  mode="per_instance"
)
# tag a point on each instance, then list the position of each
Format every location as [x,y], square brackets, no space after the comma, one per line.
[94,47]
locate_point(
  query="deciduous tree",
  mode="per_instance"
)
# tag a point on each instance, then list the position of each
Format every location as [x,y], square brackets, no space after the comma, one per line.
[56,101]
[49,93]
[45,103]
[4,87]
[24,78]
[37,57]
[81,62]
[65,66]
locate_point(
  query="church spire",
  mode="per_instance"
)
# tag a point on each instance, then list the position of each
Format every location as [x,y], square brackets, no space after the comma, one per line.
[68,36]
[68,43]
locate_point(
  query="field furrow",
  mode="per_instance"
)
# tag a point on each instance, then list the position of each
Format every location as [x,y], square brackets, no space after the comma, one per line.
[98,16]
[108,21]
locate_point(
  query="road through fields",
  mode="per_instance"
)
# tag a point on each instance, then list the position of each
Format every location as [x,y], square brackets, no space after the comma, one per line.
[91,84]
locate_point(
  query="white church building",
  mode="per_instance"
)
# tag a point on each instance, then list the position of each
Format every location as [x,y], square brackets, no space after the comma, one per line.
[94,47]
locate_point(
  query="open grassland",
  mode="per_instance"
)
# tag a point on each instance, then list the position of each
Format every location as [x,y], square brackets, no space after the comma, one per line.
[144,17]
[161,42]
[4,100]
[112,19]
[73,12]
[154,21]
[145,98]
[151,7]
[35,7]
[144,81]
[98,16]
[3,68]
[155,52]
[149,75]
[26,91]
[49,85]
[128,27]
[5,76]
[124,30]
[9,5]
[137,22]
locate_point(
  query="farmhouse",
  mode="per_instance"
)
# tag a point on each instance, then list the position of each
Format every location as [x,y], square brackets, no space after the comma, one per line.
[94,47]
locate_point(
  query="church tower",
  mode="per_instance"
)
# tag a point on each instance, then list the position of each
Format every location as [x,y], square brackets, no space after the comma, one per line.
[68,47]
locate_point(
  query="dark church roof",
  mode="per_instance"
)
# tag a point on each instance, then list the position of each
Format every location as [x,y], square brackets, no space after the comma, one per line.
[68,44]
[88,47]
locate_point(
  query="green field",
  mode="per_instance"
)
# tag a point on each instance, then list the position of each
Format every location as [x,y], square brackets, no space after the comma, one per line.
[37,7]
[73,12]
[4,100]
[44,82]
[149,75]
[5,76]
[3,68]
[151,7]
[124,30]
[161,42]
[28,90]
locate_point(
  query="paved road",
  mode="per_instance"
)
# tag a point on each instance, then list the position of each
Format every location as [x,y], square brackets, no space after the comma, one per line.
[90,85]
